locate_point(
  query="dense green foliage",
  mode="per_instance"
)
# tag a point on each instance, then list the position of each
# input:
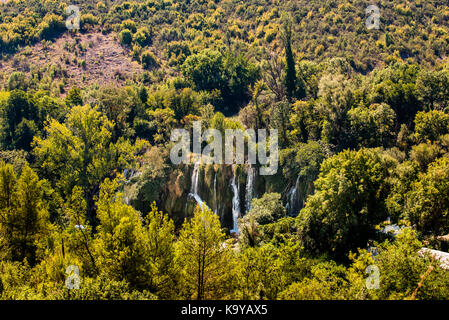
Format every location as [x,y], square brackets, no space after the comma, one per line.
[86,179]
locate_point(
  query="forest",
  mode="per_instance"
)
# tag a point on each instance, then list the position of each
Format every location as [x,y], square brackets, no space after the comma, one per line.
[93,208]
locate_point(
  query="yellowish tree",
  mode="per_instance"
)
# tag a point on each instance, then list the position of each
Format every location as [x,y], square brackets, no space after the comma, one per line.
[205,257]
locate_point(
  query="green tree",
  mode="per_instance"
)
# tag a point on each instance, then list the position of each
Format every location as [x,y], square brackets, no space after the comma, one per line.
[121,248]
[264,272]
[148,60]
[230,75]
[80,152]
[349,201]
[17,108]
[17,81]
[161,122]
[427,202]
[290,68]
[432,89]
[327,281]
[335,99]
[120,104]
[404,272]
[23,215]
[280,120]
[161,241]
[373,126]
[431,125]
[73,97]
[24,134]
[204,257]
[265,210]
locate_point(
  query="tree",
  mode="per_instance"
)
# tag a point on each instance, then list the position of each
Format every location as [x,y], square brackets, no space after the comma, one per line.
[427,202]
[15,110]
[373,126]
[432,89]
[290,69]
[268,208]
[230,75]
[24,134]
[148,60]
[73,97]
[120,104]
[264,272]
[23,215]
[327,281]
[121,247]
[80,152]
[404,272]
[260,274]
[160,231]
[335,99]
[161,122]
[274,76]
[349,201]
[280,116]
[396,86]
[79,232]
[431,125]
[17,81]
[50,27]
[142,36]
[205,70]
[204,257]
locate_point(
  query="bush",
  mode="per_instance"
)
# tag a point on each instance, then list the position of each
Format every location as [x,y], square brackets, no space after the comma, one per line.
[148,60]
[125,37]
[50,27]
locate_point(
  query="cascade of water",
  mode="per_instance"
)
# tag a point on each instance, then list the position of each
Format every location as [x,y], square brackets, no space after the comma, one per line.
[235,203]
[249,187]
[292,197]
[129,174]
[215,194]
[195,185]
[195,179]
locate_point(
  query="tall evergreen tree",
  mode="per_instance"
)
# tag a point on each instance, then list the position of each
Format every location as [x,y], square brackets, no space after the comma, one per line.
[290,71]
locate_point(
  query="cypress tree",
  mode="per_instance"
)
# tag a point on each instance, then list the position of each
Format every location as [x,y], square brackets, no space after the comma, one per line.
[290,72]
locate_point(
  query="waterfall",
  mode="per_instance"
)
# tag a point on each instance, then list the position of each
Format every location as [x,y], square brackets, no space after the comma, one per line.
[215,194]
[292,199]
[235,204]
[129,174]
[249,187]
[195,185]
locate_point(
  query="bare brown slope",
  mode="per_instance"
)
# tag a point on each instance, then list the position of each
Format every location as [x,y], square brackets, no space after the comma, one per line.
[84,59]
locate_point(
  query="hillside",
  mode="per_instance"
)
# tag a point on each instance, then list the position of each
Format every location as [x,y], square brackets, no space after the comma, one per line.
[416,30]
[339,187]
[81,60]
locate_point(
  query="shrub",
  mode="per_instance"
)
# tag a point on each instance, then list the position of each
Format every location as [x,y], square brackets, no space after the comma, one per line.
[125,36]
[148,60]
